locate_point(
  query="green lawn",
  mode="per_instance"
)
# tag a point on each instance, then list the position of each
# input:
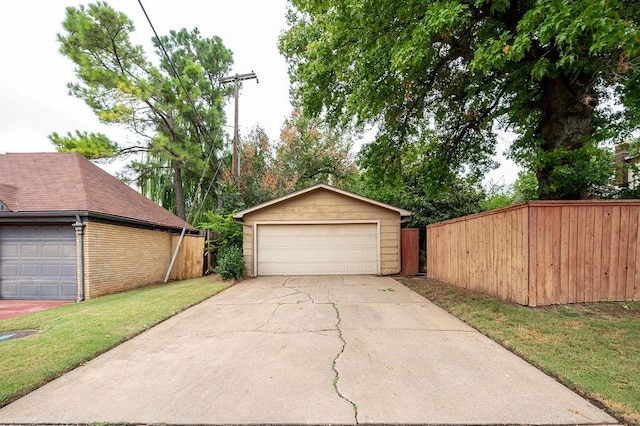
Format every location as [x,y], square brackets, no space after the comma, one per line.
[72,334]
[592,348]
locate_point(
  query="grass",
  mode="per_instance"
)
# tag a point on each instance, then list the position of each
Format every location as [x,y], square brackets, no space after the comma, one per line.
[73,334]
[592,348]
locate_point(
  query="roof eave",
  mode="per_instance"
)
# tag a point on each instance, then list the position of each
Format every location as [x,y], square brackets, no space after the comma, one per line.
[66,215]
[240,215]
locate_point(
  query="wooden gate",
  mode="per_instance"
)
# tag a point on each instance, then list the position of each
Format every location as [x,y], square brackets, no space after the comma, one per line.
[409,254]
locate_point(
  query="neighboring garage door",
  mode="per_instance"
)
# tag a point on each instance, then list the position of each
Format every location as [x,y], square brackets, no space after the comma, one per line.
[317,249]
[37,262]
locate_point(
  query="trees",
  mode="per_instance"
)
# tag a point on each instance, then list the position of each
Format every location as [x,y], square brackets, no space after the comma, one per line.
[174,108]
[455,72]
[310,152]
[307,152]
[412,187]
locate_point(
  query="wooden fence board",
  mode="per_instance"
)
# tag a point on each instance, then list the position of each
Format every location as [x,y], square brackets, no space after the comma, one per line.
[556,232]
[588,260]
[636,285]
[623,251]
[580,253]
[564,255]
[573,254]
[598,225]
[632,253]
[544,230]
[606,253]
[615,253]
[533,260]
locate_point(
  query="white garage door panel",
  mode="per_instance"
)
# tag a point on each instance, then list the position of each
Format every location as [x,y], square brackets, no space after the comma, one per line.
[317,249]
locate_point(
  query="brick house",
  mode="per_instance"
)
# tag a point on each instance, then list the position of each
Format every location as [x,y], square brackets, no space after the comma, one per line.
[70,230]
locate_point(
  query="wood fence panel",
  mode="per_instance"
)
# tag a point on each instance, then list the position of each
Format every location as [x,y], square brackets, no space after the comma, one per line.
[487,254]
[542,252]
[190,260]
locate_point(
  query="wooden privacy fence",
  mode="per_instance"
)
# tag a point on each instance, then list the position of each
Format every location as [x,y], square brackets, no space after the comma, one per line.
[190,260]
[542,252]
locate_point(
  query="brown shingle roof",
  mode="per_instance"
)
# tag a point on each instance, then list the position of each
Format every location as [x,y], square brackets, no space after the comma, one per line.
[63,182]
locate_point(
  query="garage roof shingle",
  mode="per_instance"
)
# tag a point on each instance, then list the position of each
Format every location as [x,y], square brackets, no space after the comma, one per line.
[66,182]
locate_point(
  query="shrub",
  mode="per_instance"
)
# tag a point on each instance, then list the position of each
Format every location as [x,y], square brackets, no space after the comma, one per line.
[230,262]
[226,231]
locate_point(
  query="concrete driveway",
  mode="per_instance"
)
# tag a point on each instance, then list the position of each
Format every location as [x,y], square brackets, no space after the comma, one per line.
[313,350]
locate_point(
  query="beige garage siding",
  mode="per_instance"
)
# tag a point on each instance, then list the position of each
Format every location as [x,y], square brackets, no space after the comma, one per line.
[326,206]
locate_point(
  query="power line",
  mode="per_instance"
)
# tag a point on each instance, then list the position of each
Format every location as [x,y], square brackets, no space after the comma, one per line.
[195,110]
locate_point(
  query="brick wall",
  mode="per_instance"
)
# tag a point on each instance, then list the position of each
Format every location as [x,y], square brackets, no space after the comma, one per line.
[119,258]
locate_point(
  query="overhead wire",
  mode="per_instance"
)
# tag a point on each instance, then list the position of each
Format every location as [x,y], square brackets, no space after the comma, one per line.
[200,119]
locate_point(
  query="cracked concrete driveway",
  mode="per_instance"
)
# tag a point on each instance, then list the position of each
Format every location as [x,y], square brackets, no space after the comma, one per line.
[313,350]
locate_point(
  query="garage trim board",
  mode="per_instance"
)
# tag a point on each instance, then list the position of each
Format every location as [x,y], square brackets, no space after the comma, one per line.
[319,247]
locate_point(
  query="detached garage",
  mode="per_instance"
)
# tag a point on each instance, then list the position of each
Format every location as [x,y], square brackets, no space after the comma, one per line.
[322,230]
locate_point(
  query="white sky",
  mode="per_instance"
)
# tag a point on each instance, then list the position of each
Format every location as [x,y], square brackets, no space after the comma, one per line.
[33,75]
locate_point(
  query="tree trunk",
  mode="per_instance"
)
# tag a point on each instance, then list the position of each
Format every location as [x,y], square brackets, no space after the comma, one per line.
[177,183]
[566,124]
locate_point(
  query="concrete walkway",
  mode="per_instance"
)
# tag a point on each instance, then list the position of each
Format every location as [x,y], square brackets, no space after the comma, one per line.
[313,350]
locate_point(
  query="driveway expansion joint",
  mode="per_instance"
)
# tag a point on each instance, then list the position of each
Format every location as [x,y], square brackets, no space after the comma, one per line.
[336,380]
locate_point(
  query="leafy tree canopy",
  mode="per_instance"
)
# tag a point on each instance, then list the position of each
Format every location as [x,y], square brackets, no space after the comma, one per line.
[452,73]
[173,107]
[308,152]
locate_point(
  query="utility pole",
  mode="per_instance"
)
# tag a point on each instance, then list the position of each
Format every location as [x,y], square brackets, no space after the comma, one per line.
[235,164]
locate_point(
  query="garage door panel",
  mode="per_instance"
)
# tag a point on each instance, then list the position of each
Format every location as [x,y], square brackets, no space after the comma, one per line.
[69,250]
[29,250]
[29,290]
[69,271]
[53,270]
[29,270]
[37,262]
[8,251]
[9,271]
[49,290]
[317,249]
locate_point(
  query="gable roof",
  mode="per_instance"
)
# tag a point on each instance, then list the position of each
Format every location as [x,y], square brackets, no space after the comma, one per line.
[321,186]
[67,182]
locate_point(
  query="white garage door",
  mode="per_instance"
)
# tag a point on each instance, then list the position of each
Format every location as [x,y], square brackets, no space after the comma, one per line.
[37,262]
[317,249]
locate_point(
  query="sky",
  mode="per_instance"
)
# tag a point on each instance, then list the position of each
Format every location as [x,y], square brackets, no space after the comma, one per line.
[34,99]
